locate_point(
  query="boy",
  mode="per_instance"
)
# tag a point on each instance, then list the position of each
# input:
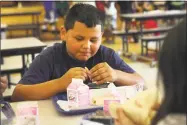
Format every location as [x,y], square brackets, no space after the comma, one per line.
[52,71]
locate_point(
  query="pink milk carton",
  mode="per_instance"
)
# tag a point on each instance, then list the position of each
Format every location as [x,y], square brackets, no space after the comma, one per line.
[78,93]
[107,103]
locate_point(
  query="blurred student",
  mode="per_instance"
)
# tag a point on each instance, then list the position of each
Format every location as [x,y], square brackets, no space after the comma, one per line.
[126,7]
[172,68]
[123,7]
[149,24]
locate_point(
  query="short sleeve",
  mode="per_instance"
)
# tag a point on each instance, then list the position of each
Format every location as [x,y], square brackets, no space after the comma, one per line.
[117,63]
[41,69]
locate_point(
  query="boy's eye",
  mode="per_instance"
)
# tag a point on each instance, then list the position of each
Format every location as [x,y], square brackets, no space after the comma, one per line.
[78,38]
[93,40]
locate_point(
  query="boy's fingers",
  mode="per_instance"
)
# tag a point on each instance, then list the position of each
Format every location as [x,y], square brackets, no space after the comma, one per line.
[95,68]
[81,73]
[80,77]
[100,77]
[80,69]
[99,72]
[105,80]
[88,73]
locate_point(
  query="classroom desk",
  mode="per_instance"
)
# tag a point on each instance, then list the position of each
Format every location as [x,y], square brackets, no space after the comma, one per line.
[20,46]
[48,115]
[154,15]
[150,15]
[35,25]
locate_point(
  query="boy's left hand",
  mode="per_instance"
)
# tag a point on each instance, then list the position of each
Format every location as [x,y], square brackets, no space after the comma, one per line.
[102,73]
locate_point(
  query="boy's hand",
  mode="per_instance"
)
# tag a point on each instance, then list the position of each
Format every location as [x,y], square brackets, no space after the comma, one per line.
[102,73]
[76,72]
[4,84]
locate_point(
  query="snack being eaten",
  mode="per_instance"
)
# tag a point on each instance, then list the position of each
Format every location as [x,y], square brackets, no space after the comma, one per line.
[99,101]
[141,108]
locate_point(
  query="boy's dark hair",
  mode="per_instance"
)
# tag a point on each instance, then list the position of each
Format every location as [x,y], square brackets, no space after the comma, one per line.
[84,13]
[172,66]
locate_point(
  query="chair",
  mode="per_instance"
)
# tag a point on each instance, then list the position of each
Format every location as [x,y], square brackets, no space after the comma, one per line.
[145,40]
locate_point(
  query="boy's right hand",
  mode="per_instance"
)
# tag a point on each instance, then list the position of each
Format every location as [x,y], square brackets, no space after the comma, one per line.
[76,72]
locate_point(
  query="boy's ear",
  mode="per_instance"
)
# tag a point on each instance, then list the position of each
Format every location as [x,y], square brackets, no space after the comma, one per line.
[63,33]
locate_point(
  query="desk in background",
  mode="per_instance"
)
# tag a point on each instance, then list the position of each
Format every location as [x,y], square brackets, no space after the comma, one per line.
[154,15]
[164,15]
[34,25]
[20,46]
[149,15]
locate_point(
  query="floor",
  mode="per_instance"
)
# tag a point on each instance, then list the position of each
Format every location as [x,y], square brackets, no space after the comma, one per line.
[144,69]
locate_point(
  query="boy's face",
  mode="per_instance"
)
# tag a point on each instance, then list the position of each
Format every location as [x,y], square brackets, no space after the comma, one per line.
[82,42]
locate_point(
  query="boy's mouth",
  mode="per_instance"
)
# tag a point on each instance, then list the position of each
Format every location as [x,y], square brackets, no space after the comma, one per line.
[85,54]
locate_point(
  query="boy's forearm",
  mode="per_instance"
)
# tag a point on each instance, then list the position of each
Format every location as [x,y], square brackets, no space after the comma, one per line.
[128,78]
[38,91]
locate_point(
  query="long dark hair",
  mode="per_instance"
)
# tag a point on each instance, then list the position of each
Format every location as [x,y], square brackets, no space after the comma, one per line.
[172,68]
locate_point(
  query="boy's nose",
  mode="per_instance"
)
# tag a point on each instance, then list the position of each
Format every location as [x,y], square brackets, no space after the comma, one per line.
[86,44]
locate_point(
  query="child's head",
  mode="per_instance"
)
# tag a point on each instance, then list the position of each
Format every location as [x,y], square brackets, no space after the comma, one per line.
[82,31]
[84,13]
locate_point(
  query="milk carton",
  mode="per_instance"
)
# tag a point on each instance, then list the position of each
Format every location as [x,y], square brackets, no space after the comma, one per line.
[78,93]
